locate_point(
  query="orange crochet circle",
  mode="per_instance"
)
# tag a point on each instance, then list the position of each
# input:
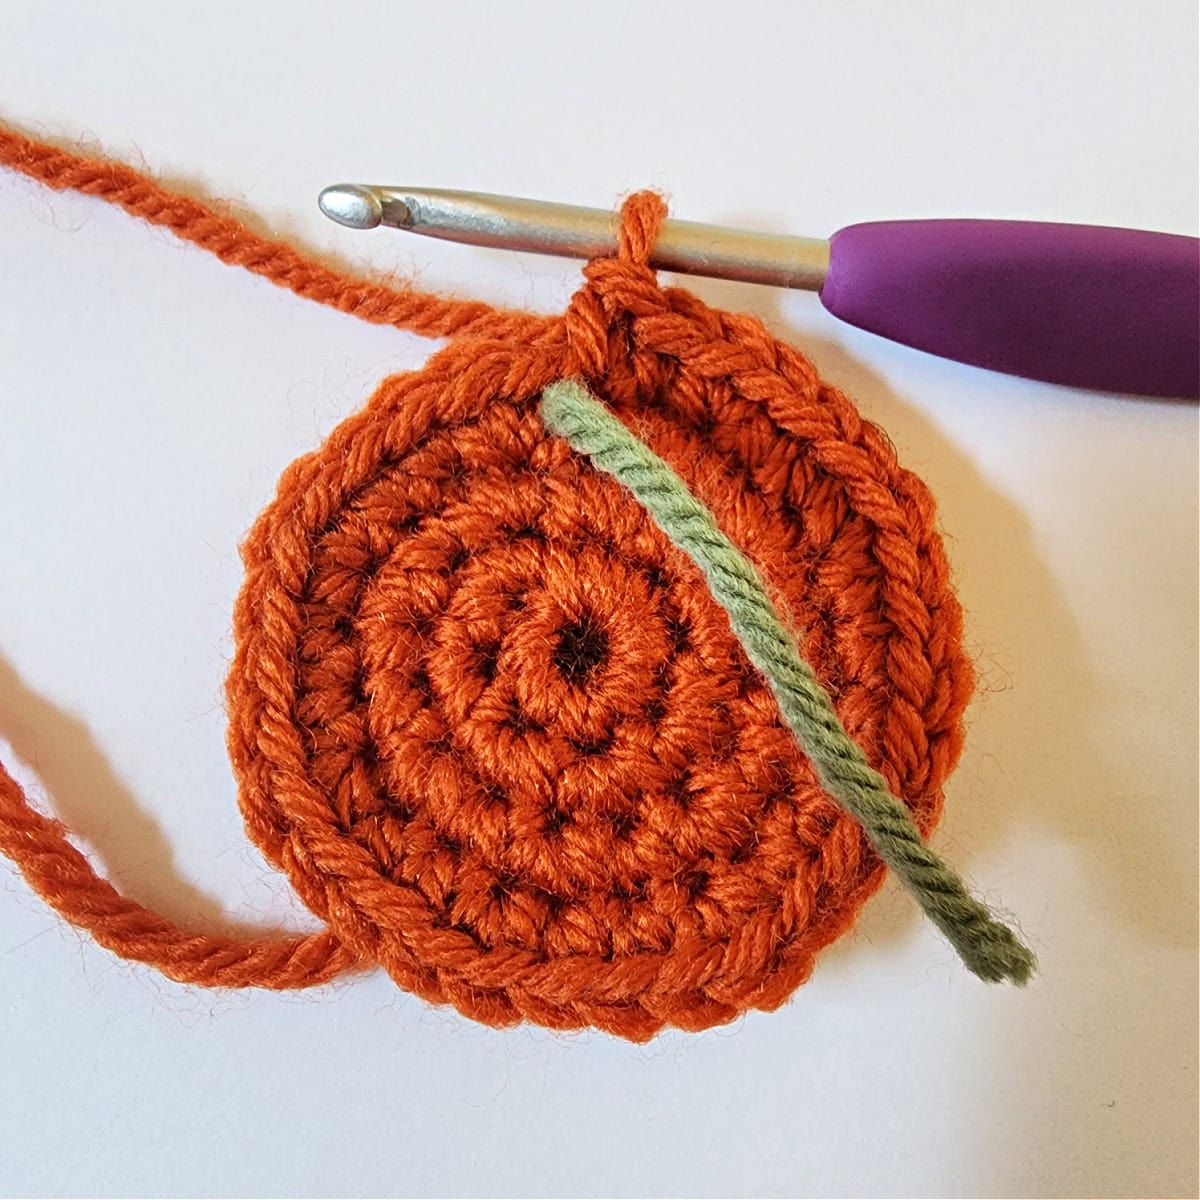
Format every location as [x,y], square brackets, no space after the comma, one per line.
[493,725]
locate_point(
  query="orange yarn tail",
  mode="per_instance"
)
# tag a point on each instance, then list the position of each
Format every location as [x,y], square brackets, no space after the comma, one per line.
[65,880]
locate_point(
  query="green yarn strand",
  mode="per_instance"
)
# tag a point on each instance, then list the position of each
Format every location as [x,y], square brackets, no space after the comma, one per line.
[988,948]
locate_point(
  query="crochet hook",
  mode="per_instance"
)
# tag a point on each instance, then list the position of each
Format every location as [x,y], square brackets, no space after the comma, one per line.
[1083,305]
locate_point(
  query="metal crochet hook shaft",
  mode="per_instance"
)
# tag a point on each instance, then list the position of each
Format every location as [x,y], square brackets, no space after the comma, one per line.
[506,222]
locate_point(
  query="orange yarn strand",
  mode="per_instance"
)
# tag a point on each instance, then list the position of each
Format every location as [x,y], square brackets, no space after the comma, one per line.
[66,881]
[233,243]
[488,719]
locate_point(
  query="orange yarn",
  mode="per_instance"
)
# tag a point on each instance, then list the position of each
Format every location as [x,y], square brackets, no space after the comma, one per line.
[491,723]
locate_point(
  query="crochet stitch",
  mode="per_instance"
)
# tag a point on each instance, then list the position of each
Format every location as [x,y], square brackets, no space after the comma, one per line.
[491,722]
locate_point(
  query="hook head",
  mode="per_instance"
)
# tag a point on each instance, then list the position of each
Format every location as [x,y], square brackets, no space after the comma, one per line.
[352,205]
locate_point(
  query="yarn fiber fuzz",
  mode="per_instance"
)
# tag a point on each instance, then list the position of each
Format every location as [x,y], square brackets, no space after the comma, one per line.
[490,721]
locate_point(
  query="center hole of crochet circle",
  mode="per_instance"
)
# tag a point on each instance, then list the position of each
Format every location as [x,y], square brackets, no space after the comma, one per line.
[582,648]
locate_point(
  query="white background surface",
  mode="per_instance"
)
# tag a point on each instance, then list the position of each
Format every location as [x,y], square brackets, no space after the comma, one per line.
[149,397]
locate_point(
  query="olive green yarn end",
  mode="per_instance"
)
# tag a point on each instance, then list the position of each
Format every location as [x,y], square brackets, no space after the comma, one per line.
[989,948]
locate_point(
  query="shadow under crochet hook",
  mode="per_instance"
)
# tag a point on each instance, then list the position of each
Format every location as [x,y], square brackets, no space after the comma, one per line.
[1087,306]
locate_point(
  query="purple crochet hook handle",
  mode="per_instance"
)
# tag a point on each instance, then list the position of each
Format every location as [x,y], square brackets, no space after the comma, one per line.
[1112,309]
